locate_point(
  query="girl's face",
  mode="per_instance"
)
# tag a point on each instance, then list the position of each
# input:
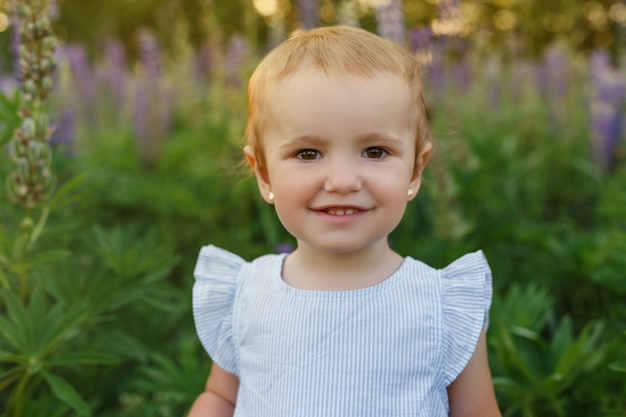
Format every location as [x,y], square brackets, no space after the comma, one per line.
[339,158]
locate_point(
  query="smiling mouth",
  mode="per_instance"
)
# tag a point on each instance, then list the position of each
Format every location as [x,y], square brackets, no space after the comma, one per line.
[341,211]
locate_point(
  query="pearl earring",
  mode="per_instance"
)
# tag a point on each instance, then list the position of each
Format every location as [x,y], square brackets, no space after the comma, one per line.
[271,196]
[410,192]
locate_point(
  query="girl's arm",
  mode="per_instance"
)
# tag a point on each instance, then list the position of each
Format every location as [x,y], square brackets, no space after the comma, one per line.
[471,394]
[219,396]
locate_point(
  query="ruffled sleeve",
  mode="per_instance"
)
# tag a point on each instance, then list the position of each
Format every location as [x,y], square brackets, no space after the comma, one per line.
[216,275]
[466,299]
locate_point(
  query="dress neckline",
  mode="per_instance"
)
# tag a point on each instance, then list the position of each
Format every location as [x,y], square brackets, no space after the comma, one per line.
[276,268]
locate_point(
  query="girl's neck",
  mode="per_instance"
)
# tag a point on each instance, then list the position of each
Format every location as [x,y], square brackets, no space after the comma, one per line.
[310,269]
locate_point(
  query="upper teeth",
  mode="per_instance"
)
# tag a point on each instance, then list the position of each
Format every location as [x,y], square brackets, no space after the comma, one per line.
[341,212]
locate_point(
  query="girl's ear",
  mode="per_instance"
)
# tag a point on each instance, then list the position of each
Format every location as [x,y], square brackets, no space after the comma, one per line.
[421,160]
[262,177]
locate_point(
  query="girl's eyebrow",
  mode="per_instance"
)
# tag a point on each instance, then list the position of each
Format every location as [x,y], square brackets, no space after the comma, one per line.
[305,141]
[368,138]
[380,137]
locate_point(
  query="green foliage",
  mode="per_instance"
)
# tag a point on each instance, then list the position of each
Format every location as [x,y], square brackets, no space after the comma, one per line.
[9,119]
[538,359]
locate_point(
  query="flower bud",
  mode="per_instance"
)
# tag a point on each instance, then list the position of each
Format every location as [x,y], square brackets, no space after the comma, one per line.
[47,66]
[43,121]
[49,43]
[29,86]
[29,129]
[46,83]
[23,171]
[24,10]
[27,224]
[17,190]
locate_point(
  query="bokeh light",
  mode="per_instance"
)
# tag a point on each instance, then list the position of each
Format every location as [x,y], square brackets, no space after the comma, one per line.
[266,7]
[4,22]
[505,20]
[617,13]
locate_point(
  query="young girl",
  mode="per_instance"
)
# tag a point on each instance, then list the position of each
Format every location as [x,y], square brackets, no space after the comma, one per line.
[344,326]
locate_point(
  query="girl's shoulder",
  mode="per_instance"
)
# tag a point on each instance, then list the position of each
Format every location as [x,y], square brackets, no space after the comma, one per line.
[466,293]
[461,295]
[217,265]
[218,275]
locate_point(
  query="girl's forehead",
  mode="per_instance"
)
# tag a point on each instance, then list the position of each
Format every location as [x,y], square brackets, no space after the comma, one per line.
[311,81]
[312,102]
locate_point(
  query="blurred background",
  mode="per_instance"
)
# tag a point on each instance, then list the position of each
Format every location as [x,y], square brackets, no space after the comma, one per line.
[121,125]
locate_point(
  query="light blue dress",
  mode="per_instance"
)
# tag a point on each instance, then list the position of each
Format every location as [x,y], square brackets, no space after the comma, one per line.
[388,350]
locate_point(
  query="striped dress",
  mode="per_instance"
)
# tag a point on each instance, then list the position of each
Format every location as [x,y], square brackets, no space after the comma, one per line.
[382,351]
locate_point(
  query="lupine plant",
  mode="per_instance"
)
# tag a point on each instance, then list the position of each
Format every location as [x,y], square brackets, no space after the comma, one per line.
[31,182]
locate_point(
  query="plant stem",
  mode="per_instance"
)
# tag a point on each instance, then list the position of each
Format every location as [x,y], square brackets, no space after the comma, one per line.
[38,228]
[17,399]
[4,281]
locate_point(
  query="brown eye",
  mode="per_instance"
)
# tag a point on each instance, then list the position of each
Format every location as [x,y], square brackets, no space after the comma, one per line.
[308,154]
[374,153]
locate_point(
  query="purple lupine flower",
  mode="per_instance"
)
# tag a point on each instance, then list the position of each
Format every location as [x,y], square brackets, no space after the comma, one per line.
[152,116]
[8,84]
[64,134]
[141,115]
[553,83]
[606,123]
[493,72]
[83,79]
[153,100]
[608,87]
[149,53]
[523,75]
[463,73]
[236,54]
[599,62]
[608,103]
[115,73]
[555,67]
[390,18]
[421,43]
[309,15]
[421,39]
[204,63]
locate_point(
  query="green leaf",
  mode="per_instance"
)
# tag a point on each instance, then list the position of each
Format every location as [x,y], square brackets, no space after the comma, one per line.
[9,333]
[10,376]
[59,323]
[618,366]
[83,358]
[577,353]
[66,393]
[12,327]
[63,196]
[562,339]
[125,345]
[9,357]
[524,332]
[37,330]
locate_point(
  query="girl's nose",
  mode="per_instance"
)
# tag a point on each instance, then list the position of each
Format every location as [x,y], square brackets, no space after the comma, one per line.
[342,177]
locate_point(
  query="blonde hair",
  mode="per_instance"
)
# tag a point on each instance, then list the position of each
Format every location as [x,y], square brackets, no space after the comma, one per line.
[337,49]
